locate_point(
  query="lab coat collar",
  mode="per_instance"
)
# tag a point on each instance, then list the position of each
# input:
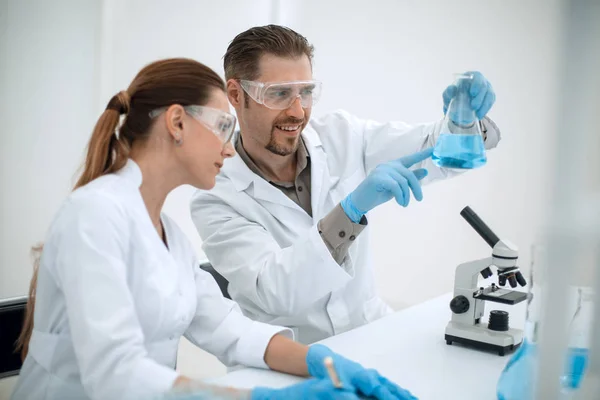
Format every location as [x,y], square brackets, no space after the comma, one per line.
[242,177]
[131,171]
[311,138]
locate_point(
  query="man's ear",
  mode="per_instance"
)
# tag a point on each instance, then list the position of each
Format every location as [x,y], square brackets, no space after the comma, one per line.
[235,93]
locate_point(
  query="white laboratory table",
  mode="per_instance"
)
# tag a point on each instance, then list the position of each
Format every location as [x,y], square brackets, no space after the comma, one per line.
[409,348]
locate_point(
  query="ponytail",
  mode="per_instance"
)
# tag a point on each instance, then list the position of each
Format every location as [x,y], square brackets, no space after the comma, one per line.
[106,152]
[23,340]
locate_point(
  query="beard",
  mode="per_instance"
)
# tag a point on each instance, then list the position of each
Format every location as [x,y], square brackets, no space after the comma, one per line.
[288,145]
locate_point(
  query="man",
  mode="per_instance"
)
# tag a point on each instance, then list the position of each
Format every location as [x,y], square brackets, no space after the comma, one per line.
[286,224]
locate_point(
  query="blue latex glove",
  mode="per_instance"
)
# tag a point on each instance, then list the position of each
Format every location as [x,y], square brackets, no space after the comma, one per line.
[388,180]
[481,92]
[366,381]
[316,389]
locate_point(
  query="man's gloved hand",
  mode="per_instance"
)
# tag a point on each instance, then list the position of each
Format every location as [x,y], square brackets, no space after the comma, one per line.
[312,389]
[481,94]
[367,382]
[391,179]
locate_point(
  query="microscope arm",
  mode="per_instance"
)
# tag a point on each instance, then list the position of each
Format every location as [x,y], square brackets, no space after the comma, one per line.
[467,274]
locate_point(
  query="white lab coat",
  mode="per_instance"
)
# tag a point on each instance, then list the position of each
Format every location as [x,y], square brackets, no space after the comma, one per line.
[112,302]
[269,249]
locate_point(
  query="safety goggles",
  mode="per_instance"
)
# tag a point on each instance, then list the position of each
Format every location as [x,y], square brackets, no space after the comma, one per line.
[281,95]
[220,122]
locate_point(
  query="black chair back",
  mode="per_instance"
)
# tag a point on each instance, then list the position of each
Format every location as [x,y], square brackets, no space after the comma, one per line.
[12,314]
[221,281]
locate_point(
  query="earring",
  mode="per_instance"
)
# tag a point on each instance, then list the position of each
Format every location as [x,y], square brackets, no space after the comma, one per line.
[178,140]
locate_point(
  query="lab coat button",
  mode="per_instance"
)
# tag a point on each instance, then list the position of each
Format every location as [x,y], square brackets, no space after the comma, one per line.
[342,234]
[352,237]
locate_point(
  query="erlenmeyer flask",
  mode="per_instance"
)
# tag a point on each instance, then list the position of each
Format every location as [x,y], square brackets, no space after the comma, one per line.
[460,144]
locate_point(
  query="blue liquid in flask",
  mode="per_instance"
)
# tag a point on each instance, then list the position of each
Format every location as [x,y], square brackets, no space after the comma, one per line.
[517,383]
[575,368]
[461,151]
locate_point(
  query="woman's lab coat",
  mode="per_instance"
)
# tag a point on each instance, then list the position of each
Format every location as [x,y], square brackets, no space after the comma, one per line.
[269,249]
[112,302]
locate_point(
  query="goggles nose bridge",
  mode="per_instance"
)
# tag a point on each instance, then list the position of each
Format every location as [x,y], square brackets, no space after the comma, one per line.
[302,101]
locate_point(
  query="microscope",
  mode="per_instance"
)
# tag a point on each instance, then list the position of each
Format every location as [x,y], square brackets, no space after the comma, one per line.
[467,305]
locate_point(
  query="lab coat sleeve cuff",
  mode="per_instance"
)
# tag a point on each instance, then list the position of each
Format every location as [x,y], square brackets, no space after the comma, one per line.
[150,379]
[252,346]
[491,133]
[323,252]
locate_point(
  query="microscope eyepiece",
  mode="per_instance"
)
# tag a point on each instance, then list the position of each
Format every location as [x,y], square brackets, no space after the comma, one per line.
[480,227]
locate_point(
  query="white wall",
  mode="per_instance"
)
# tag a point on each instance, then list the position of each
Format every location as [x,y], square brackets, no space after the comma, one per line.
[48,108]
[61,61]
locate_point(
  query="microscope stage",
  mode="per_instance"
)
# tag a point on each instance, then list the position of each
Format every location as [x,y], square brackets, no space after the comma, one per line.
[498,295]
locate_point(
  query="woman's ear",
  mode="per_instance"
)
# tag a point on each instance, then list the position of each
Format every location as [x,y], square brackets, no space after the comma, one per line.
[174,119]
[235,93]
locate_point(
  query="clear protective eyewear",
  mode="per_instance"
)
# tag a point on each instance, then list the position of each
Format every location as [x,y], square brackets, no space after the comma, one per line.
[219,122]
[281,95]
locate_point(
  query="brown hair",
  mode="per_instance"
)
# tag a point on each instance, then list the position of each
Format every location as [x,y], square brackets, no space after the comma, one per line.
[159,84]
[244,51]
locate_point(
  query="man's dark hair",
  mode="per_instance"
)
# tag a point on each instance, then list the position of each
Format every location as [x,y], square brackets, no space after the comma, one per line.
[244,51]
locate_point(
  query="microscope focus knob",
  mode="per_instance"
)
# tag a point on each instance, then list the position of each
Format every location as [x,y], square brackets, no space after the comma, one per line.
[459,304]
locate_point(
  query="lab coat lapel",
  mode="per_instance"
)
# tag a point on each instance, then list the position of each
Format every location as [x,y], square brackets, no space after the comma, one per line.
[321,180]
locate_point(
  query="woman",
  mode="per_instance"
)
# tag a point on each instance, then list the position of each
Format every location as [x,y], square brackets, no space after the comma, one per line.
[118,283]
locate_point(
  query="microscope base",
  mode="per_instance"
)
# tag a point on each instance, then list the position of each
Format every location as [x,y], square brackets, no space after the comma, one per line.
[501,350]
[480,337]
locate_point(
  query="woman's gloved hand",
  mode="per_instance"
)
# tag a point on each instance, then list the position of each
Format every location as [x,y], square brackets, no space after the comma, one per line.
[386,181]
[311,389]
[367,382]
